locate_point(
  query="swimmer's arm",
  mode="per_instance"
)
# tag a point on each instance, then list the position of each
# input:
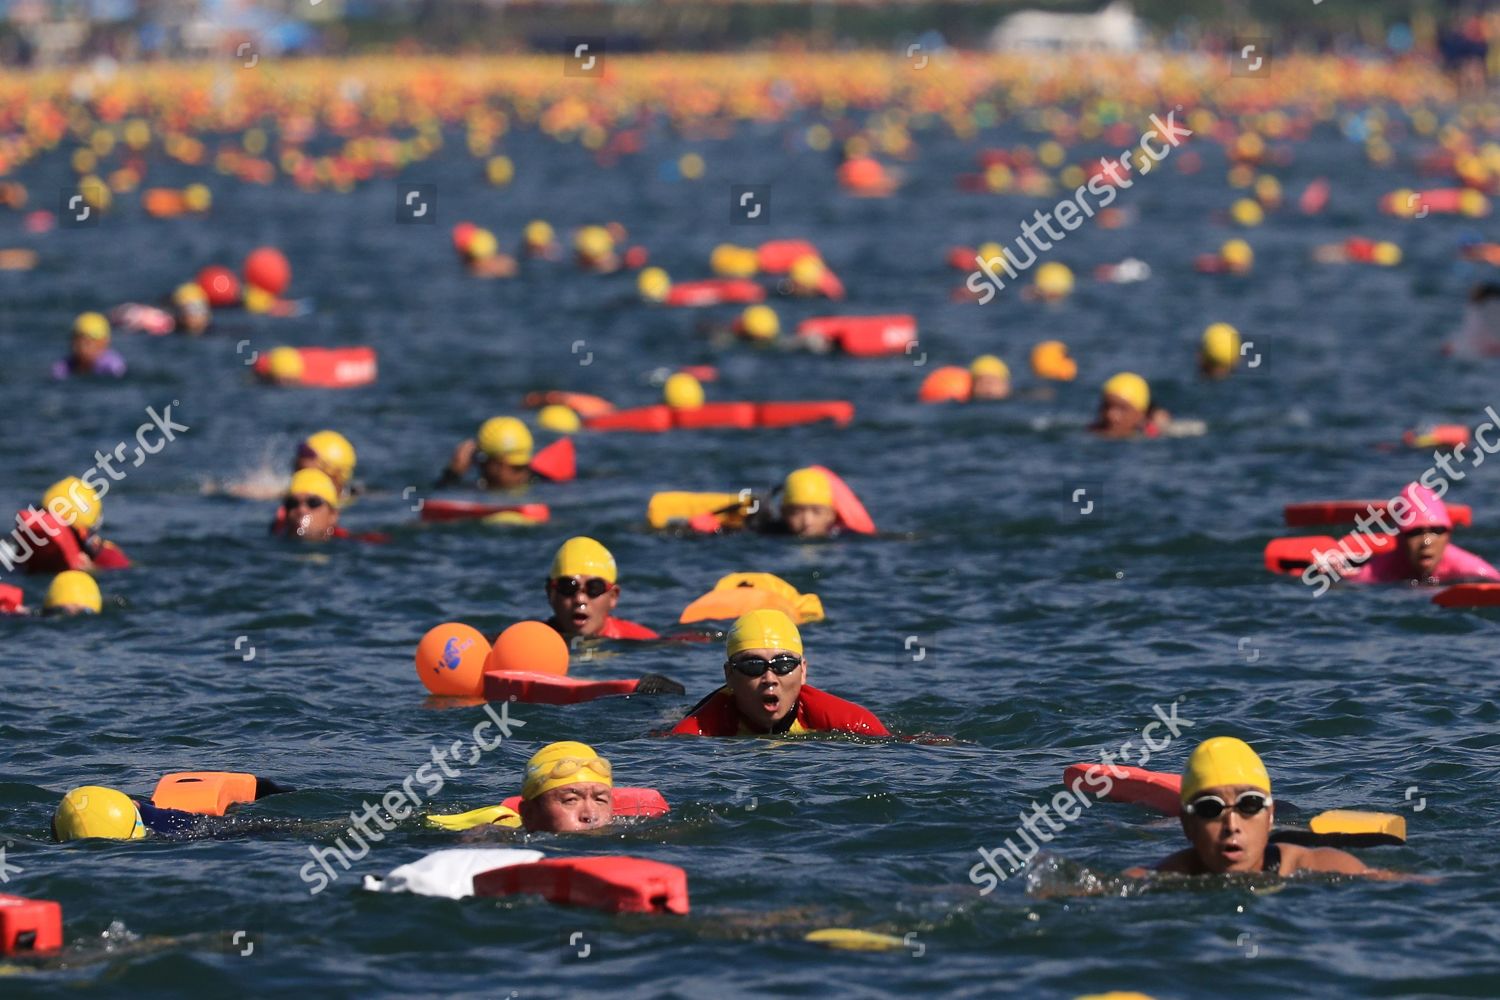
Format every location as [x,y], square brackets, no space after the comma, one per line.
[1333,860]
[1183,863]
[458,465]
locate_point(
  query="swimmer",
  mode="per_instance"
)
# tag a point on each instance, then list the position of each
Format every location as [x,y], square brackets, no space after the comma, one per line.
[1219,352]
[482,257]
[73,506]
[310,510]
[329,452]
[73,592]
[583,589]
[1423,553]
[93,811]
[539,241]
[568,787]
[807,505]
[594,248]
[90,353]
[991,378]
[191,313]
[765,689]
[1227,815]
[503,449]
[1125,409]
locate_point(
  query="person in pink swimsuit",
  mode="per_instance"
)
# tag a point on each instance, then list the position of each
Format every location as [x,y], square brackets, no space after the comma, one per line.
[1423,553]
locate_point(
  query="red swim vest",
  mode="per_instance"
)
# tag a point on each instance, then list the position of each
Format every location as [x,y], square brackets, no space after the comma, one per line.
[817,711]
[619,628]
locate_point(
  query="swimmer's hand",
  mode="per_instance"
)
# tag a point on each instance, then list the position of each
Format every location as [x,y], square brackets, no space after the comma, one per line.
[463,456]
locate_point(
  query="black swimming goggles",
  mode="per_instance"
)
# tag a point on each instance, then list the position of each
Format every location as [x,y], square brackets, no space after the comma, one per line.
[753,666]
[567,586]
[311,503]
[1212,806]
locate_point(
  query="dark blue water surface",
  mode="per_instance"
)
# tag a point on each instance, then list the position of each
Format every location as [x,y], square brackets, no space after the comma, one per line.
[1042,636]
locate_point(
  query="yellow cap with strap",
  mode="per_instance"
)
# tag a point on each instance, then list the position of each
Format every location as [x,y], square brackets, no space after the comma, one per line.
[1221,761]
[507,439]
[558,765]
[583,556]
[314,482]
[766,628]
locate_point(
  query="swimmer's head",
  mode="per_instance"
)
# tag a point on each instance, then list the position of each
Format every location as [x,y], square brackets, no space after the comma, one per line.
[506,444]
[807,274]
[1054,280]
[567,787]
[1227,810]
[311,506]
[683,392]
[95,811]
[1426,527]
[1220,350]
[284,366]
[73,592]
[991,378]
[653,284]
[764,667]
[582,588]
[807,508]
[75,503]
[759,322]
[481,245]
[595,245]
[190,307]
[331,452]
[559,418]
[538,236]
[1237,256]
[1123,403]
[91,336]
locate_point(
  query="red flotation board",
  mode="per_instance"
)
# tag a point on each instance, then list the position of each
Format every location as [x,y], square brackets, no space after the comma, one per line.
[863,336]
[580,403]
[205,793]
[778,256]
[714,292]
[1153,789]
[1469,595]
[551,689]
[54,545]
[330,367]
[557,462]
[1320,512]
[441,511]
[716,416]
[640,803]
[745,416]
[28,925]
[1293,555]
[851,513]
[840,411]
[643,419]
[614,884]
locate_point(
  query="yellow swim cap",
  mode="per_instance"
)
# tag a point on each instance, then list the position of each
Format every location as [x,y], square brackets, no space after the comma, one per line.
[1237,254]
[73,502]
[730,261]
[95,811]
[1130,387]
[1054,280]
[1223,760]
[683,392]
[1387,254]
[507,439]
[482,245]
[74,588]
[988,364]
[1221,345]
[760,322]
[1247,212]
[285,364]
[190,293]
[807,271]
[653,284]
[594,242]
[197,198]
[314,482]
[582,556]
[257,299]
[539,234]
[763,629]
[559,418]
[335,453]
[91,325]
[807,488]
[558,765]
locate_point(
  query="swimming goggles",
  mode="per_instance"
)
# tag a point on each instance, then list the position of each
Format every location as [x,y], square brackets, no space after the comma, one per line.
[567,586]
[311,503]
[1212,806]
[569,766]
[753,666]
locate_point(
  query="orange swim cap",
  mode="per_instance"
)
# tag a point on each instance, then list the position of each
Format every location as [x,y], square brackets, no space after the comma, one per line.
[949,384]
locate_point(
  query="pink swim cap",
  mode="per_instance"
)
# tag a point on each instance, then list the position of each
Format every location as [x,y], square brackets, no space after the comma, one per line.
[1427,511]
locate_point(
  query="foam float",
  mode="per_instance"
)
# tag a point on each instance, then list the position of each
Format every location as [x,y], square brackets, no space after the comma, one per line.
[443,511]
[714,292]
[778,256]
[1468,595]
[862,336]
[579,402]
[660,418]
[327,367]
[740,593]
[1439,436]
[1295,554]
[29,925]
[1321,512]
[615,884]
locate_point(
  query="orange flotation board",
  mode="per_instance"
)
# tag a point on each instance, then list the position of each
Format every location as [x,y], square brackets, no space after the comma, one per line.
[440,511]
[740,593]
[1468,595]
[778,256]
[329,367]
[1154,789]
[580,403]
[714,292]
[551,689]
[614,884]
[31,925]
[557,462]
[862,336]
[1320,512]
[204,793]
[1293,555]
[851,513]
[630,803]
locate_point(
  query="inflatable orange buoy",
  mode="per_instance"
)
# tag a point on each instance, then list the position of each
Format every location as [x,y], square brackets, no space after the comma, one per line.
[1320,512]
[777,256]
[529,647]
[220,285]
[863,336]
[451,660]
[440,511]
[551,689]
[268,269]
[948,384]
[629,803]
[714,292]
[609,883]
[328,367]
[1469,595]
[205,793]
[30,925]
[163,203]
[1152,789]
[865,176]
